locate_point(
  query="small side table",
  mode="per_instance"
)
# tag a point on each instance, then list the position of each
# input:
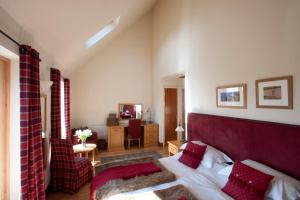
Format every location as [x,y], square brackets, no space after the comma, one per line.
[79,148]
[173,147]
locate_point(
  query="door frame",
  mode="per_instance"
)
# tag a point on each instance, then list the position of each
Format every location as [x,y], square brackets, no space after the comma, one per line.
[181,88]
[164,83]
[5,138]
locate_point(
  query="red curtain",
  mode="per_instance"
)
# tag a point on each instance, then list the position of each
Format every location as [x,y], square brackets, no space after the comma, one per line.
[55,104]
[67,107]
[32,178]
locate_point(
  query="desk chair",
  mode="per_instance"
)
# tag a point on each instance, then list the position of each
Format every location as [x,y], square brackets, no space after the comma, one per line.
[134,131]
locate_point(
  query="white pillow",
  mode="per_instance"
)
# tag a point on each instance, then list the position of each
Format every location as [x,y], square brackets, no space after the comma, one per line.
[282,186]
[226,170]
[211,156]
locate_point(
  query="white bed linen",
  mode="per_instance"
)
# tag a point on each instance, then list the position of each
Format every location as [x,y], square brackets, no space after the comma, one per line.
[203,185]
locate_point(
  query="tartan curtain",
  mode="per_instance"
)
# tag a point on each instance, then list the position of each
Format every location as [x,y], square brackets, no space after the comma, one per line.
[67,107]
[55,104]
[32,178]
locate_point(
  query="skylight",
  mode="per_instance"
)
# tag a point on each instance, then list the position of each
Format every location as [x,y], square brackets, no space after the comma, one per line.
[103,32]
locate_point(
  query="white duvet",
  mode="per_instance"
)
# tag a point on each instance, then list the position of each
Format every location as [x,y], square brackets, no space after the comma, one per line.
[203,185]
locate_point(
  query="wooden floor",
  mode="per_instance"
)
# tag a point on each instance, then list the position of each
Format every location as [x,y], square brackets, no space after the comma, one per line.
[83,194]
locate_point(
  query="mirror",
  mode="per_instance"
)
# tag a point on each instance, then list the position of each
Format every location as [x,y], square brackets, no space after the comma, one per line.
[43,113]
[130,111]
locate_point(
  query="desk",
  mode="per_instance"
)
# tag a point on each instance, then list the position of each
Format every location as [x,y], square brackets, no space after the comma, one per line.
[79,148]
[116,135]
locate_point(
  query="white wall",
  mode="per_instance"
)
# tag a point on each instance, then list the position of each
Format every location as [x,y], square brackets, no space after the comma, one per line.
[119,73]
[241,41]
[16,31]
[170,50]
[227,42]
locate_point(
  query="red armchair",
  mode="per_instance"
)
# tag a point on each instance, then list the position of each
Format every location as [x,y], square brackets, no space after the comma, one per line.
[68,173]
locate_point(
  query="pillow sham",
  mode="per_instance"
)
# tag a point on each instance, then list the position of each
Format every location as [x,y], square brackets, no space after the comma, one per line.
[211,156]
[245,182]
[282,186]
[192,155]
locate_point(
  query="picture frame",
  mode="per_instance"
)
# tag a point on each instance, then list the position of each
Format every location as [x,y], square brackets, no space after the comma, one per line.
[232,96]
[275,92]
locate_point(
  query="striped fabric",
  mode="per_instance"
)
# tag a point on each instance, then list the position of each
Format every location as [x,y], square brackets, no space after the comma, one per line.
[68,173]
[67,107]
[32,178]
[55,104]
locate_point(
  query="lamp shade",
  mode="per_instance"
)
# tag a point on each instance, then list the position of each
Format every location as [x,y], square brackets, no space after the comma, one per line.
[179,129]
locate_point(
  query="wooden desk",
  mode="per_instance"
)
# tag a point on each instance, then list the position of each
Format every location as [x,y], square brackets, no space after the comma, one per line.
[116,135]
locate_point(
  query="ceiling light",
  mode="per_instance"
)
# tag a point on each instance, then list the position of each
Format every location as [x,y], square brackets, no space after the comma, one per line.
[102,33]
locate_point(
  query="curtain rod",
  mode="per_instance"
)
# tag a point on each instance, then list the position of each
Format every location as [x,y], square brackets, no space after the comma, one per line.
[11,39]
[14,41]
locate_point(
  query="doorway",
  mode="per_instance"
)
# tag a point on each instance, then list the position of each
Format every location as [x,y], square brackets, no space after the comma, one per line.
[183,122]
[174,105]
[170,113]
[4,130]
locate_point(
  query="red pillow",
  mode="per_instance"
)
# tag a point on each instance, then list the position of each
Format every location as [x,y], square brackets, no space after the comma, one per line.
[192,154]
[246,183]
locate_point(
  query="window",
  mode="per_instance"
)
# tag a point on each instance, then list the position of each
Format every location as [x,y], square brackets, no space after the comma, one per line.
[103,32]
[62,110]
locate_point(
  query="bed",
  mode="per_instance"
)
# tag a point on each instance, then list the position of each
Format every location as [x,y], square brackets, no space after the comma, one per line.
[255,140]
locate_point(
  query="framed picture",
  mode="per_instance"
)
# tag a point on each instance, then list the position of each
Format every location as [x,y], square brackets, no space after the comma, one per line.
[275,92]
[232,96]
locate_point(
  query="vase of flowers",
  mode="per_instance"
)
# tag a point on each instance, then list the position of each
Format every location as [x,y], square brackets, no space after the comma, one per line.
[83,135]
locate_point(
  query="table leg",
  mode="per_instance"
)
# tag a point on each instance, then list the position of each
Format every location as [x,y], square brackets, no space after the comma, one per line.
[93,154]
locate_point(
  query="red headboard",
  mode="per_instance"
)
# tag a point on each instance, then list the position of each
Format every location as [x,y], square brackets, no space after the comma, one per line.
[276,145]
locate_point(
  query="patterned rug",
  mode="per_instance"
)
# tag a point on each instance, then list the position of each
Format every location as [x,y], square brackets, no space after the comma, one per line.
[125,159]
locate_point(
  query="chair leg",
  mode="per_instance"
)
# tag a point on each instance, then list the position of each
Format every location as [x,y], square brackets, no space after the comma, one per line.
[139,143]
[128,144]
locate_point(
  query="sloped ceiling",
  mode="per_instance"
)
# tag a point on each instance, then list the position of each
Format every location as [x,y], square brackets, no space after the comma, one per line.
[62,26]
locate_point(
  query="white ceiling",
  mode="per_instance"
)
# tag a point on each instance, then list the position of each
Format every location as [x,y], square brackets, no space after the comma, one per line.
[62,26]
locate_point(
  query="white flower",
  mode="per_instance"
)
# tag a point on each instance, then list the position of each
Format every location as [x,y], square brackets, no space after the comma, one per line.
[83,135]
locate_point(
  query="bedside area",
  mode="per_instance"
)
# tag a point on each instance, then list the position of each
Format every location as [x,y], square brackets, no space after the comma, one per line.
[173,147]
